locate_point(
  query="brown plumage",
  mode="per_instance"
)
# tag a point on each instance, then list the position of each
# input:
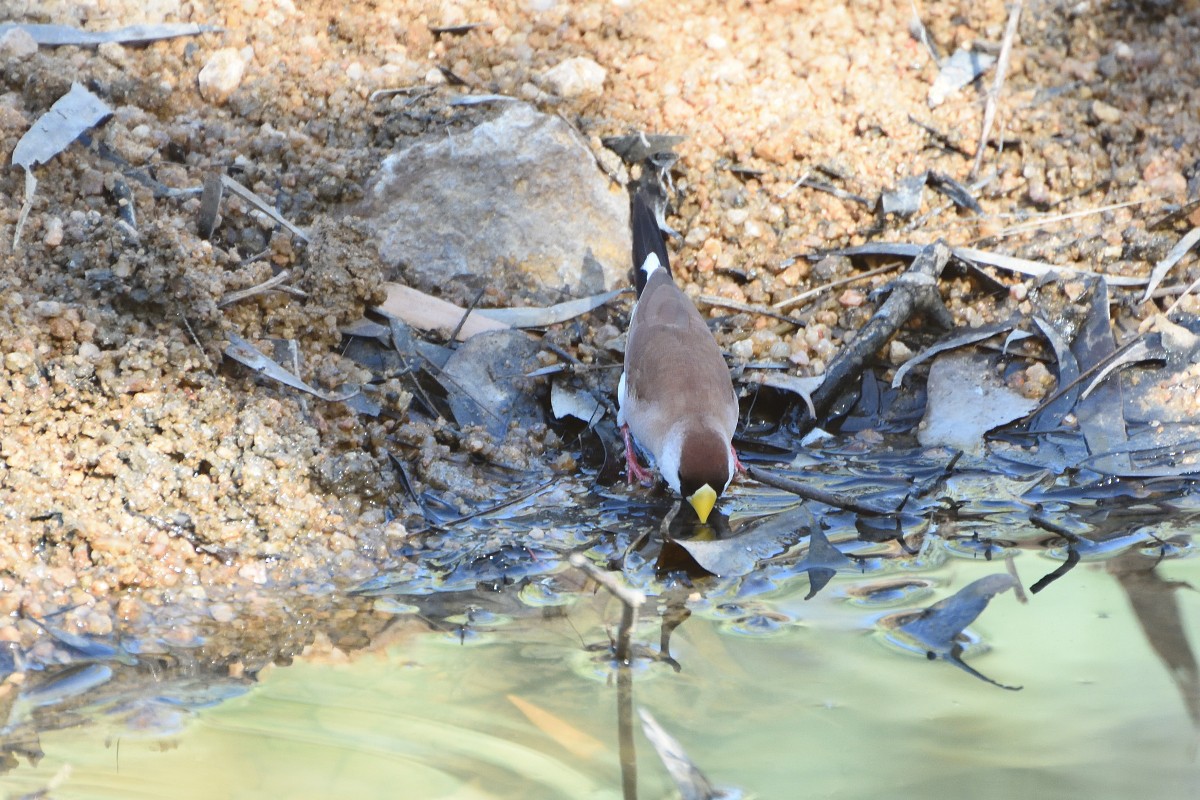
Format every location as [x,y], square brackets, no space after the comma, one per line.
[676,395]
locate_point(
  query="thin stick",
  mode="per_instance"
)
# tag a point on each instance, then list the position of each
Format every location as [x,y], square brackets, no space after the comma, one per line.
[811,293]
[265,286]
[721,302]
[816,495]
[1042,222]
[631,600]
[993,98]
[1190,288]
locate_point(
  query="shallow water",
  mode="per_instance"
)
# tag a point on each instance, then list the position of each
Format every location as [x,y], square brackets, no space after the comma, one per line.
[470,693]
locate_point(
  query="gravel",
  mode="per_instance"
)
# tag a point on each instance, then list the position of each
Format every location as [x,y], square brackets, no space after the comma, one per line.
[135,464]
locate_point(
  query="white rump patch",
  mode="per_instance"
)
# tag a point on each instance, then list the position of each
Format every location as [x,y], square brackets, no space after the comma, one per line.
[651,264]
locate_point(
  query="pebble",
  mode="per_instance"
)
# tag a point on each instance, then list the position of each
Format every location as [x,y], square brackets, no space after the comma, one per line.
[899,352]
[743,349]
[575,77]
[852,298]
[222,75]
[1105,113]
[222,612]
[17,361]
[17,43]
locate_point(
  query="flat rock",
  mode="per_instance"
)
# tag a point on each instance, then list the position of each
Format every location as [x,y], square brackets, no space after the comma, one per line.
[486,385]
[515,202]
[967,398]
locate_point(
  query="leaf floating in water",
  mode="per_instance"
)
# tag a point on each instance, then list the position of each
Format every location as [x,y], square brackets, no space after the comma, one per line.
[822,562]
[70,116]
[739,554]
[938,627]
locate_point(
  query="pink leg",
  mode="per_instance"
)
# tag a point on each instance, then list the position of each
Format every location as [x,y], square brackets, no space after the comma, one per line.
[633,470]
[738,466]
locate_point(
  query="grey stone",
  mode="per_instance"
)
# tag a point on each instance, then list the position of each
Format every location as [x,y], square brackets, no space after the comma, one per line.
[486,385]
[516,202]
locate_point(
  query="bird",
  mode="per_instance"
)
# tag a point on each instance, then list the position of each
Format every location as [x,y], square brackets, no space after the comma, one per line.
[675,396]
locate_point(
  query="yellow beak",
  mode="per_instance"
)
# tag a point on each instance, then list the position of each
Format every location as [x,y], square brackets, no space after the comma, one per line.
[703,501]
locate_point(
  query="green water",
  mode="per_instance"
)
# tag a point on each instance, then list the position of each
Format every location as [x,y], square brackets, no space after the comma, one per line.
[819,706]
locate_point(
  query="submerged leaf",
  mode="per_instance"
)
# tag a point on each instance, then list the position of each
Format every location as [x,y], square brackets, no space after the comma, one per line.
[687,777]
[937,628]
[577,742]
[822,562]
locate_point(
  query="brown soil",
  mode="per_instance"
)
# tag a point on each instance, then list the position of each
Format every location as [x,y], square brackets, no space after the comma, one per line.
[137,468]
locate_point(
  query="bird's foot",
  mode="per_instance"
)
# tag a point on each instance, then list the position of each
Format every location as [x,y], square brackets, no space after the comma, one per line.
[634,472]
[738,467]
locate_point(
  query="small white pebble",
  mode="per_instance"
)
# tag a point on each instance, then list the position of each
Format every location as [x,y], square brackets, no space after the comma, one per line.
[898,352]
[575,77]
[53,236]
[1105,113]
[17,43]
[743,349]
[737,216]
[222,75]
[852,298]
[221,612]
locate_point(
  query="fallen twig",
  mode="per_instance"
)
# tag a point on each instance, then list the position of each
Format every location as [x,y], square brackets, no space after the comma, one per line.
[915,291]
[834,284]
[762,311]
[631,601]
[816,495]
[263,206]
[265,286]
[993,97]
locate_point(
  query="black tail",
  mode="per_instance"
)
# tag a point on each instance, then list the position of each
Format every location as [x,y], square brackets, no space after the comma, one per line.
[647,236]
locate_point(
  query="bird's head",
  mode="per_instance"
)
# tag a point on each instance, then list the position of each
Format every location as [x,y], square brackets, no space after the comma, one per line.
[702,474]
